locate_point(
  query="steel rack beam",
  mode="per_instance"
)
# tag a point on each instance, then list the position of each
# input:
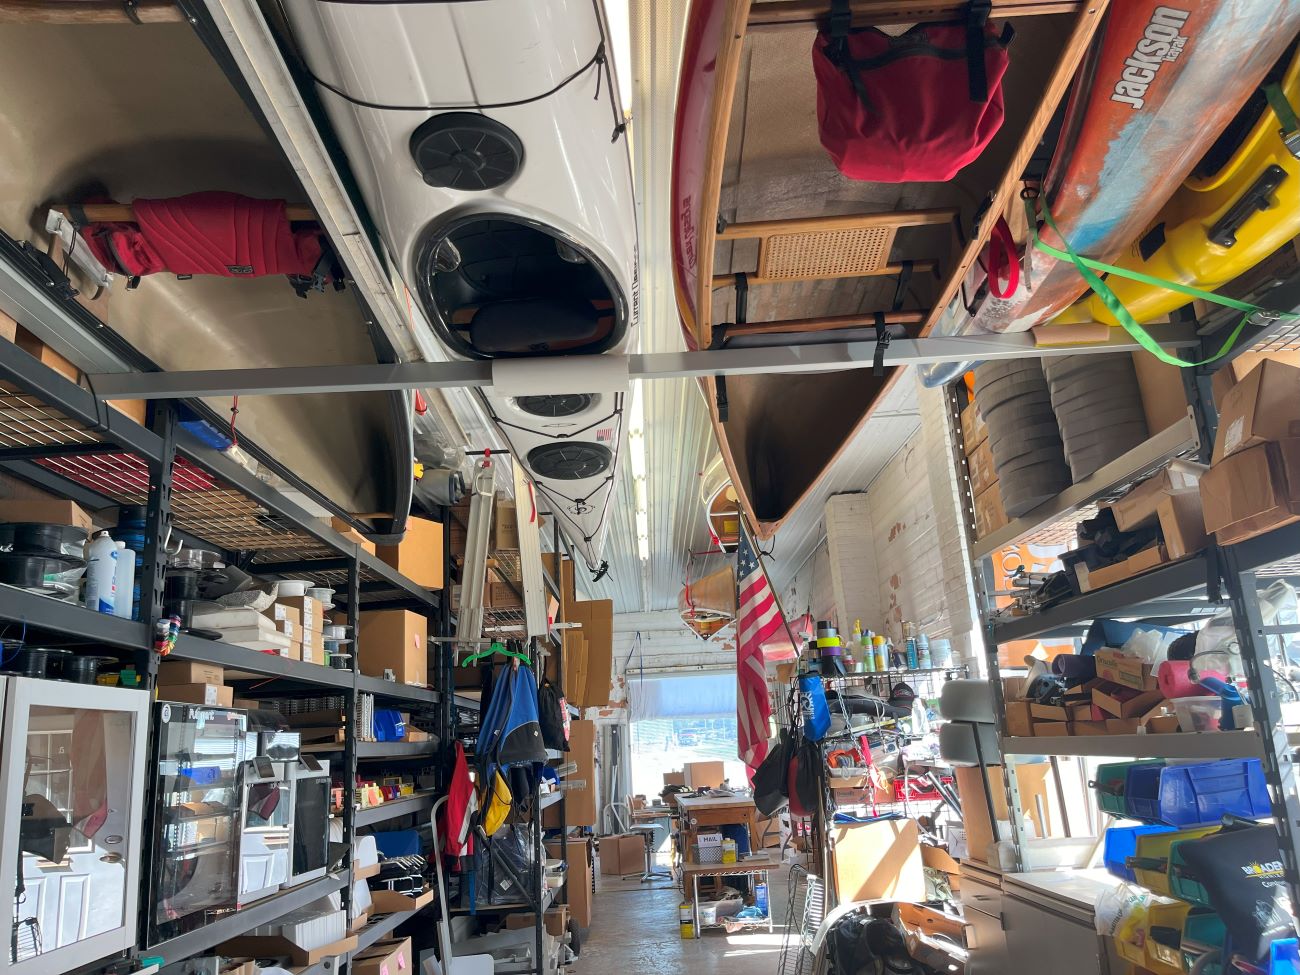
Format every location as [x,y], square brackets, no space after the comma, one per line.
[405,806]
[1144,459]
[1124,599]
[297,380]
[71,620]
[118,430]
[408,693]
[241,922]
[395,750]
[258,665]
[1206,745]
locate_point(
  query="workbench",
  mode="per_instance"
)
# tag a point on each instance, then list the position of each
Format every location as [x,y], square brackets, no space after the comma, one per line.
[697,811]
[755,866]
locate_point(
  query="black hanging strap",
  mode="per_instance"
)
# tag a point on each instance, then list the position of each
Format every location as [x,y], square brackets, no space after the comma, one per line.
[882,343]
[904,279]
[977,18]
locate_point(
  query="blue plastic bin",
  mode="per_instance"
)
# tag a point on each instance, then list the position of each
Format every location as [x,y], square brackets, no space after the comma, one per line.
[1284,957]
[1199,794]
[1121,843]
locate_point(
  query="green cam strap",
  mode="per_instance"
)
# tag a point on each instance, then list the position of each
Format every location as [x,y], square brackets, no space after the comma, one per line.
[1088,268]
[1277,101]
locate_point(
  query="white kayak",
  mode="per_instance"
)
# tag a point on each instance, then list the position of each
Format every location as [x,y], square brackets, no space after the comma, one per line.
[486,140]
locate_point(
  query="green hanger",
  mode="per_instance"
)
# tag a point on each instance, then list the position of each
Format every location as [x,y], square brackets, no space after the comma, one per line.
[496,647]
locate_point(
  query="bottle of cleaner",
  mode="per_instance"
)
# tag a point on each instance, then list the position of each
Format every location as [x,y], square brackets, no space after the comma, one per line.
[124,582]
[923,652]
[882,653]
[868,652]
[101,573]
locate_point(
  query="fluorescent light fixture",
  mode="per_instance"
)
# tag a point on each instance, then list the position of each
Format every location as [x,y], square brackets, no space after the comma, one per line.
[618,18]
[637,456]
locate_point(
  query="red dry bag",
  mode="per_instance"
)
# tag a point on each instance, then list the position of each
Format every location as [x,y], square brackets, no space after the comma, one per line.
[916,107]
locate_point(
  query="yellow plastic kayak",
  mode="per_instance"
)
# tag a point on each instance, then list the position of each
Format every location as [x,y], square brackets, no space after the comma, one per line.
[1214,227]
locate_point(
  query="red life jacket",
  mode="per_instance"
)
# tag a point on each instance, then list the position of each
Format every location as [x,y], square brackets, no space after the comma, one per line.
[912,108]
[207,233]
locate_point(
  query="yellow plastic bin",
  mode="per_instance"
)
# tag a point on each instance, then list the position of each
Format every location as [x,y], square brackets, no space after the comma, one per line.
[1166,917]
[1150,861]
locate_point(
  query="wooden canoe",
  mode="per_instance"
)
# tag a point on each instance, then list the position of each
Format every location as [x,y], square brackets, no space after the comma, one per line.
[754,193]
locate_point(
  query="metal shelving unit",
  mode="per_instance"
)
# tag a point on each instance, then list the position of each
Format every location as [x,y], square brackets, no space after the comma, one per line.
[63,440]
[1215,580]
[393,808]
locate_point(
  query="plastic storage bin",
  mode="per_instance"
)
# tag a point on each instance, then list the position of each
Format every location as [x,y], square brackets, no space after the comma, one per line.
[1165,922]
[1197,794]
[1284,957]
[1198,713]
[1203,931]
[1181,885]
[1151,857]
[1122,843]
[1111,784]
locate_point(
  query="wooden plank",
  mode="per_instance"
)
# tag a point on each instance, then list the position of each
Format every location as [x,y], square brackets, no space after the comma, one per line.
[88,12]
[782,14]
[829,323]
[728,66]
[1086,24]
[125,213]
[920,267]
[846,221]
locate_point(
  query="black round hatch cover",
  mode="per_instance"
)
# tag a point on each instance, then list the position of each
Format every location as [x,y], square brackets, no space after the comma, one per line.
[570,461]
[465,151]
[555,406]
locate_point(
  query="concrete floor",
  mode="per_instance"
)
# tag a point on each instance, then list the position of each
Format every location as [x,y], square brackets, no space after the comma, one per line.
[634,932]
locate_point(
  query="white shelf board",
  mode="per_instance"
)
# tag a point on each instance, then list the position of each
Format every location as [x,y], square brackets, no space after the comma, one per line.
[1213,744]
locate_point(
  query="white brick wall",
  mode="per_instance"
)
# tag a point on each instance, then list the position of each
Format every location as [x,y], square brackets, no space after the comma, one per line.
[896,551]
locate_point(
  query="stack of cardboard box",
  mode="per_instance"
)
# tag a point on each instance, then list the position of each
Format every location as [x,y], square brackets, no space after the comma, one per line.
[1253,485]
[1123,698]
[302,620]
[990,515]
[191,682]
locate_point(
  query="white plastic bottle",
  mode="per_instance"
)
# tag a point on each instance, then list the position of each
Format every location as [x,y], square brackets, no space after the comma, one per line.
[101,573]
[124,582]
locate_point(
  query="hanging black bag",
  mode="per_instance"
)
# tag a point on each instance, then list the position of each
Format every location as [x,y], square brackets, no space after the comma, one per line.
[771,778]
[550,708]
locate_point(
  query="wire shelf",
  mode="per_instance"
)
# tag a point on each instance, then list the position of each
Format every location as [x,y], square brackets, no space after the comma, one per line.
[25,421]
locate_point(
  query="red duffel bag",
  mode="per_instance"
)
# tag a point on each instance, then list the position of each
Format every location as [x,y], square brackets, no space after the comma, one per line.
[915,107]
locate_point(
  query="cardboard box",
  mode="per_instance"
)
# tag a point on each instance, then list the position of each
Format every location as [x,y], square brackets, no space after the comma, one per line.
[974,431]
[622,855]
[267,946]
[579,799]
[674,778]
[1124,702]
[598,632]
[54,511]
[878,861]
[503,595]
[1051,729]
[1161,724]
[210,695]
[982,471]
[284,613]
[1083,728]
[1263,406]
[394,639]
[1049,712]
[556,921]
[1108,575]
[419,554]
[1182,523]
[990,512]
[1227,376]
[505,527]
[8,328]
[577,853]
[172,672]
[351,534]
[46,356]
[704,775]
[1252,491]
[1138,507]
[1120,668]
[391,902]
[312,648]
[388,957]
[1020,722]
[1031,779]
[310,611]
[1164,398]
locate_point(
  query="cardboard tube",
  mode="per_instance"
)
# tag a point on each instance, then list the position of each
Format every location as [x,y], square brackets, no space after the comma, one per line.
[1084,333]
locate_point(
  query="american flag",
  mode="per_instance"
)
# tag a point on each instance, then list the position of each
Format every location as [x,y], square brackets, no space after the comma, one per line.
[758,619]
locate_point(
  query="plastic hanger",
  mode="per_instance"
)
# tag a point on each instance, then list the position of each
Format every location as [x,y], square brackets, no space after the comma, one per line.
[496,647]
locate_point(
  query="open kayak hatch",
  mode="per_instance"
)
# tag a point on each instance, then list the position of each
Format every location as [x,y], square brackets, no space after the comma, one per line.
[774,246]
[129,111]
[498,285]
